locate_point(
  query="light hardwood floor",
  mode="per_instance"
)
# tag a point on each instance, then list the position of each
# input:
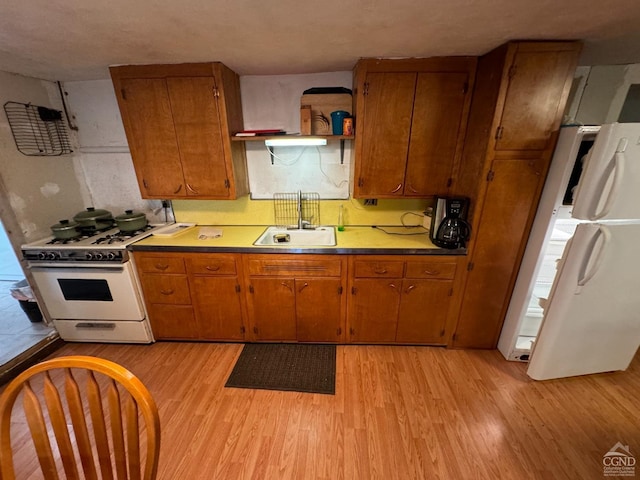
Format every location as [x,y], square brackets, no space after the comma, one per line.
[398,413]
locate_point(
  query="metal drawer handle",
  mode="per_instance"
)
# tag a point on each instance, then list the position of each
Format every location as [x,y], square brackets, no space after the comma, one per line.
[167,292]
[413,190]
[303,287]
[285,284]
[191,189]
[95,325]
[162,267]
[380,271]
[393,285]
[179,188]
[409,288]
[213,269]
[432,272]
[397,188]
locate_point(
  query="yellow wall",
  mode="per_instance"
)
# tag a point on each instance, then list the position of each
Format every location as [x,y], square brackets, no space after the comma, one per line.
[260,212]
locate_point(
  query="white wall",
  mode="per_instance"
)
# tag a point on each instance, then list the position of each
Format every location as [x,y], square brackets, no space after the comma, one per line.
[35,192]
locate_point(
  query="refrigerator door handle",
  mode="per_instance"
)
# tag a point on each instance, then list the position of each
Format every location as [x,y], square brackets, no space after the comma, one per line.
[618,173]
[584,277]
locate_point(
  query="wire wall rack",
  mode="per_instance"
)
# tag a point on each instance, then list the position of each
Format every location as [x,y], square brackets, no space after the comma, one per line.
[287,205]
[37,131]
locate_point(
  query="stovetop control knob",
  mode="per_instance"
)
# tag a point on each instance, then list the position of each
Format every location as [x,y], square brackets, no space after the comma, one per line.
[88,255]
[52,256]
[111,256]
[42,256]
[98,256]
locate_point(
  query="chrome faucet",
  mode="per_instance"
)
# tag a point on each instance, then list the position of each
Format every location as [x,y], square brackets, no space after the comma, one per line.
[302,224]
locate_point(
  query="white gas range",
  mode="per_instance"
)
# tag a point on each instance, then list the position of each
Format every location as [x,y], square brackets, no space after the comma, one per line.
[89,287]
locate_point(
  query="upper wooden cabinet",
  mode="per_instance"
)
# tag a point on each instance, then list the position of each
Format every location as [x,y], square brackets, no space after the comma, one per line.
[518,101]
[535,71]
[179,120]
[410,124]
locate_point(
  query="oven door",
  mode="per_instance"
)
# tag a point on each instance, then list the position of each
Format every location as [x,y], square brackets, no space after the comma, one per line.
[88,293]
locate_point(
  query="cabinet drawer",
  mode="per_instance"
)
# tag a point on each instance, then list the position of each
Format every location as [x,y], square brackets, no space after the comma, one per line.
[431,269]
[214,265]
[289,267]
[170,289]
[159,264]
[378,268]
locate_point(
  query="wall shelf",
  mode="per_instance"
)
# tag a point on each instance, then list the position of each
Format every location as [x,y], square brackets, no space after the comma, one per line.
[262,138]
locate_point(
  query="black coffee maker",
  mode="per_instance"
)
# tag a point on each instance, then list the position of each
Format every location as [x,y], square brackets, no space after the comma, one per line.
[449,228]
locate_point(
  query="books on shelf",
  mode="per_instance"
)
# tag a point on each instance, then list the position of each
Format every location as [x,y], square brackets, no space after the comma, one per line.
[261,133]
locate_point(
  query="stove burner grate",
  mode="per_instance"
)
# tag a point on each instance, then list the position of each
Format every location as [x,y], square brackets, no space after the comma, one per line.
[120,236]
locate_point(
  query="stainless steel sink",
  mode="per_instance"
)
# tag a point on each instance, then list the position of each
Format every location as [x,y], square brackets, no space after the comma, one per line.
[282,237]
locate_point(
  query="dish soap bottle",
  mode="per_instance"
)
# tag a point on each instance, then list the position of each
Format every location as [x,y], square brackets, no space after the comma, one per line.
[341,219]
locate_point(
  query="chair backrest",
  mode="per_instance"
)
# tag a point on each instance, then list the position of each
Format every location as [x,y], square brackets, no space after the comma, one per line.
[83,388]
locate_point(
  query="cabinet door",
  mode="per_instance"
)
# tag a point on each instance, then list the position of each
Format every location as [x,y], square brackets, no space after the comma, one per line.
[218,308]
[436,131]
[196,117]
[388,108]
[173,322]
[319,309]
[152,137]
[373,310]
[272,308]
[498,248]
[537,79]
[423,311]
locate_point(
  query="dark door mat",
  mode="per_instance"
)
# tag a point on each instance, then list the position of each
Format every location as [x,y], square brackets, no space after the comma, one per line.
[286,366]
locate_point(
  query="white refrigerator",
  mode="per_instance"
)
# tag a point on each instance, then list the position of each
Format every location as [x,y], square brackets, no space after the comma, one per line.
[575,309]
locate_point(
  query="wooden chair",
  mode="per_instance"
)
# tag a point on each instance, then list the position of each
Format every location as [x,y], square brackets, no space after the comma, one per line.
[102,401]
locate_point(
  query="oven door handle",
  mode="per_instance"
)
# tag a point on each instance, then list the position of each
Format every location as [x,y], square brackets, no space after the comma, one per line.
[96,325]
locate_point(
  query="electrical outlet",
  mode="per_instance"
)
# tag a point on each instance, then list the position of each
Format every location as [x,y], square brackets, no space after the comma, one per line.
[371,201]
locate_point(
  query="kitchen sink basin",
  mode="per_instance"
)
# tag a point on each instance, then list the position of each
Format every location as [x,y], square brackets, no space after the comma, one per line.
[282,237]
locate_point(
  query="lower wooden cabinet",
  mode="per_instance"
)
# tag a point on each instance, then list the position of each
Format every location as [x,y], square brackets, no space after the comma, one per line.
[299,298]
[192,296]
[401,299]
[296,297]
